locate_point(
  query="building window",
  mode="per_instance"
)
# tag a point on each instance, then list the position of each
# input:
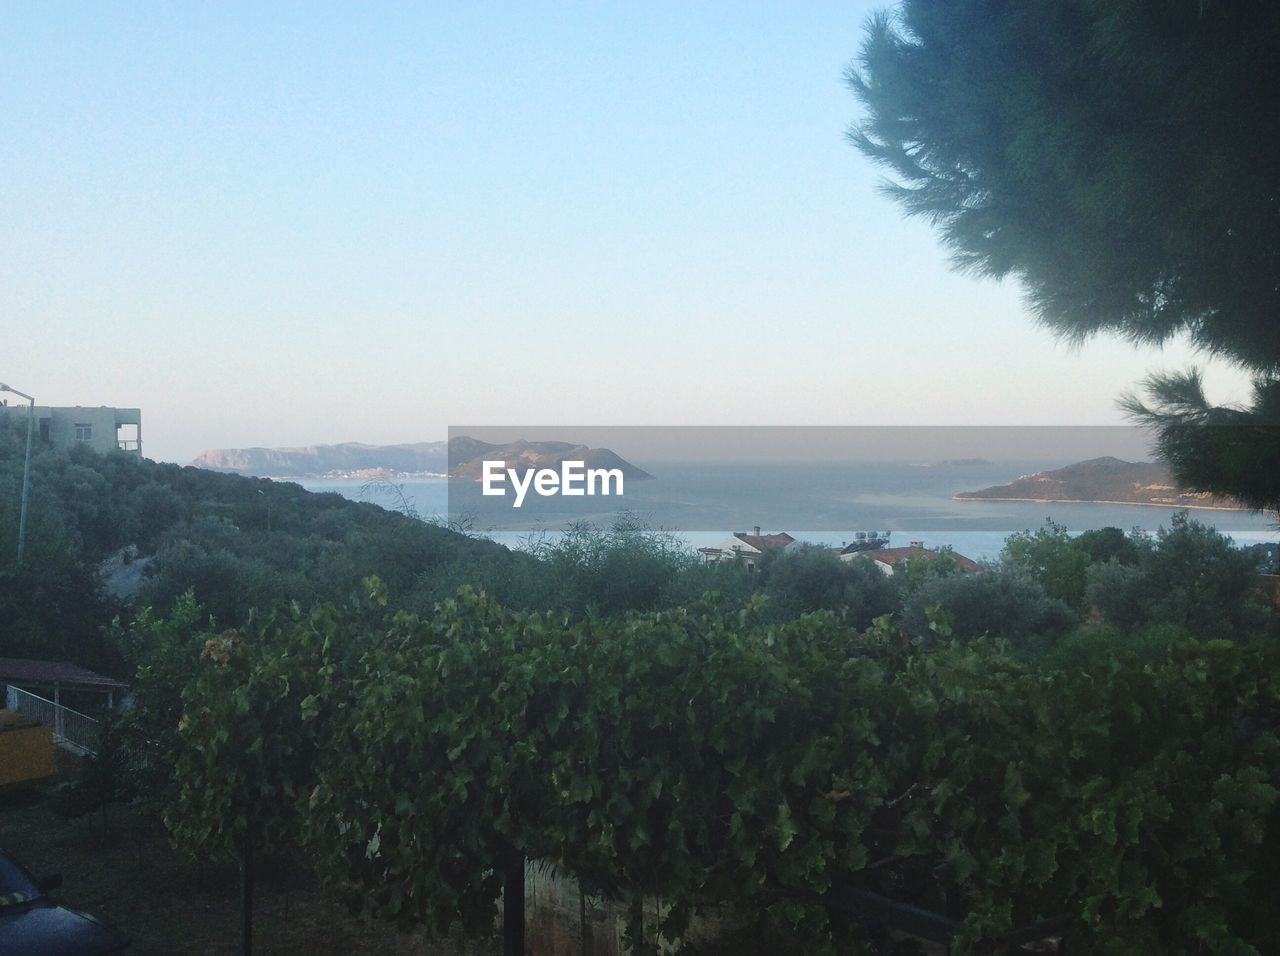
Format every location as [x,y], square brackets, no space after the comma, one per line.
[84,432]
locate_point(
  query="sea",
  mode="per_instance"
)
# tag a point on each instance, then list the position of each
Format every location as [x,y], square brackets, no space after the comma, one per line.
[828,503]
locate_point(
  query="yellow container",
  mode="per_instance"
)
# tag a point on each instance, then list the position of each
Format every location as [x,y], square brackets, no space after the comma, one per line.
[26,749]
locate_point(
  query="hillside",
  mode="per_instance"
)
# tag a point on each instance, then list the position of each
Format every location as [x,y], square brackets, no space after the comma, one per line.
[237,542]
[1102,480]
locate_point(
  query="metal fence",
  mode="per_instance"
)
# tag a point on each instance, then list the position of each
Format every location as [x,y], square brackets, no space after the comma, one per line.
[74,730]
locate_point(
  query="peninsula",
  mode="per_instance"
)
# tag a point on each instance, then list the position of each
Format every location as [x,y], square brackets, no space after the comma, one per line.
[1103,481]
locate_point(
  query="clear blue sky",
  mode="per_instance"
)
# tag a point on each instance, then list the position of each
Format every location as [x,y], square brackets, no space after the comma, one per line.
[285,224]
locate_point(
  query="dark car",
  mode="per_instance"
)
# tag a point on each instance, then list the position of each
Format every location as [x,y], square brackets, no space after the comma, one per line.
[33,925]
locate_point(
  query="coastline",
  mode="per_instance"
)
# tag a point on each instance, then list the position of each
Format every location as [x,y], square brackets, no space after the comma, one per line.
[349,476]
[1107,501]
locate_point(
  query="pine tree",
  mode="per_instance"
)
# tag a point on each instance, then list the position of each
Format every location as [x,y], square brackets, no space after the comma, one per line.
[1121,159]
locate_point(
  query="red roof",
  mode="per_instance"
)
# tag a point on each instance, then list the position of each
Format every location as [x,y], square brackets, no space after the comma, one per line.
[892,556]
[764,542]
[15,670]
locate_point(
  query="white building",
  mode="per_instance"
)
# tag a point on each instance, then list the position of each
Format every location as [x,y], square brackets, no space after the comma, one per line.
[103,428]
[747,548]
[886,558]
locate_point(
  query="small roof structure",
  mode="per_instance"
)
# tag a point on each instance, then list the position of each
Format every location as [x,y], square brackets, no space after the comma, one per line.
[764,542]
[891,556]
[749,546]
[16,670]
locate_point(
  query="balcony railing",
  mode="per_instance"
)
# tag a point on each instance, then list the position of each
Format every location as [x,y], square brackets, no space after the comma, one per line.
[76,731]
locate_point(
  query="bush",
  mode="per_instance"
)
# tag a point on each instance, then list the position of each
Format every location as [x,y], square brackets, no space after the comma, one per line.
[812,578]
[1052,558]
[719,761]
[1191,576]
[1002,602]
[1095,645]
[606,571]
[1107,544]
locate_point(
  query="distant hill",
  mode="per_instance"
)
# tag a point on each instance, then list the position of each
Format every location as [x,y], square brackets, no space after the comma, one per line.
[467,457]
[315,461]
[1103,480]
[958,463]
[462,457]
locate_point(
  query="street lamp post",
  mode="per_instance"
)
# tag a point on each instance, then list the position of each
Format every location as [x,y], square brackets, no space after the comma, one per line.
[26,468]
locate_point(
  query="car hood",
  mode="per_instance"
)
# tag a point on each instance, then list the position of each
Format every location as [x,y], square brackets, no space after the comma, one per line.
[43,929]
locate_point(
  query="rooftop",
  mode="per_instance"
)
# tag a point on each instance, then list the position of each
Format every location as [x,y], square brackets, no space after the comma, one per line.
[892,556]
[764,542]
[16,670]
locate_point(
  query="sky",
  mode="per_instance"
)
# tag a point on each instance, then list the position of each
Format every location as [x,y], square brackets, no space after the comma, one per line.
[292,224]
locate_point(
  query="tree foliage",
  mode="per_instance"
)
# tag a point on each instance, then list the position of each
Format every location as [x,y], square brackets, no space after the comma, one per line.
[1120,160]
[1054,559]
[716,759]
[207,533]
[813,578]
[1190,576]
[1005,603]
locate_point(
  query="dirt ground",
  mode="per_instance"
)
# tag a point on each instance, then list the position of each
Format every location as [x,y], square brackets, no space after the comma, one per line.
[123,871]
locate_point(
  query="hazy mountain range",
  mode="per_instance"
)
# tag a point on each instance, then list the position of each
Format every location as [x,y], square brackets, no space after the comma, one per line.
[461,457]
[1108,480]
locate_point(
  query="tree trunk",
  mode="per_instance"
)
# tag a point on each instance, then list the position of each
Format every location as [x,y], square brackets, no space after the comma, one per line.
[513,905]
[246,897]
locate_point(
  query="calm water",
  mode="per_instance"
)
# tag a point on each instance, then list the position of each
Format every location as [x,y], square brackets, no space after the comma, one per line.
[821,502]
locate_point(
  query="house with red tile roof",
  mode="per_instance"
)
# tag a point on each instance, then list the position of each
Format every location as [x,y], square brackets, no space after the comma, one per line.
[747,548]
[887,558]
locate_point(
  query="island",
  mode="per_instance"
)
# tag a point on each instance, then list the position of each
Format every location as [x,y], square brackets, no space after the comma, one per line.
[461,457]
[957,463]
[468,455]
[1103,481]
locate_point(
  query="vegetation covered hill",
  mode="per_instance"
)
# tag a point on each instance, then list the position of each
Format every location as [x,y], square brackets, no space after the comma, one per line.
[239,543]
[1104,479]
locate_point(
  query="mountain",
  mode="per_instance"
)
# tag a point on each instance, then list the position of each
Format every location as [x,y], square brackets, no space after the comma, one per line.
[461,457]
[468,455]
[1103,480]
[314,461]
